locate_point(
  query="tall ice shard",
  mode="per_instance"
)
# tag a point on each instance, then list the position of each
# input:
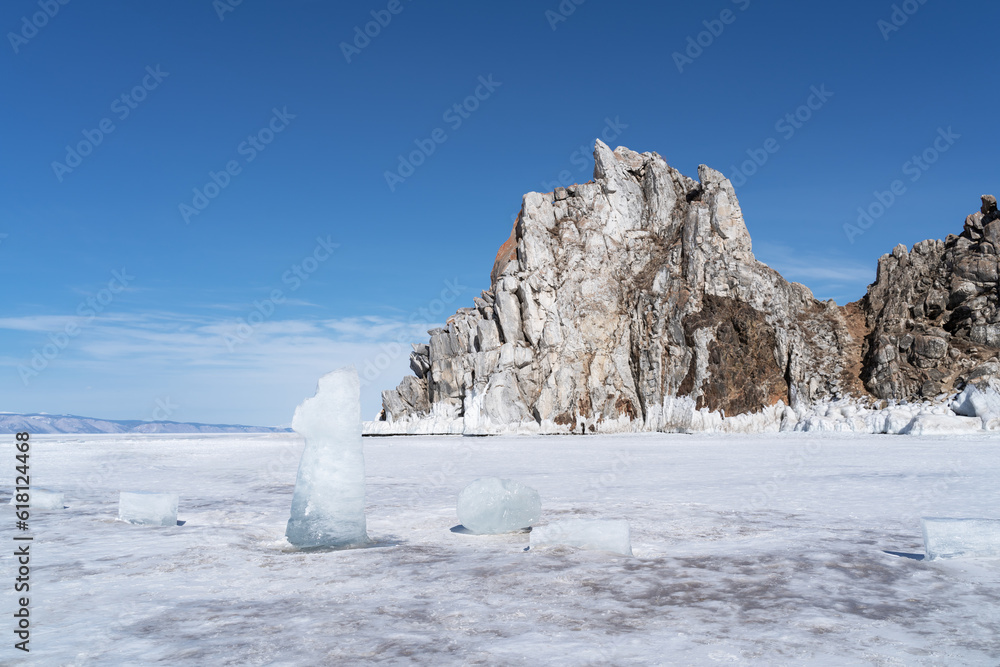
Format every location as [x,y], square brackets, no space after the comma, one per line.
[328,507]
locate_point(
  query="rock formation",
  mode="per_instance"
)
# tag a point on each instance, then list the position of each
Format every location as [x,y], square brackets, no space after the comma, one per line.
[933,313]
[634,302]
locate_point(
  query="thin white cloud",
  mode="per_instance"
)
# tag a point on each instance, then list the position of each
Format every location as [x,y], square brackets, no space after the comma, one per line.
[826,274]
[271,367]
[40,323]
[378,328]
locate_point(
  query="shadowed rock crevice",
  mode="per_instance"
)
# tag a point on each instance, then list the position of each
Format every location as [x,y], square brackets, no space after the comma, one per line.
[742,374]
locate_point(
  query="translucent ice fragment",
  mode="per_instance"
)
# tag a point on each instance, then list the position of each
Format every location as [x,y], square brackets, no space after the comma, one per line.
[42,499]
[492,505]
[328,506]
[148,509]
[952,538]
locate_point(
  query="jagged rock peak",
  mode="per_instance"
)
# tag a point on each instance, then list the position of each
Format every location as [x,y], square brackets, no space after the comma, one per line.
[634,302]
[612,299]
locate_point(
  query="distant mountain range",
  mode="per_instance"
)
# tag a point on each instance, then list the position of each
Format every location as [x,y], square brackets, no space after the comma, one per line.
[45,423]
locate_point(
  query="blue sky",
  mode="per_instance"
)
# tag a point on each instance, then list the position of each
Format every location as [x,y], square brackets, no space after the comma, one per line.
[226,232]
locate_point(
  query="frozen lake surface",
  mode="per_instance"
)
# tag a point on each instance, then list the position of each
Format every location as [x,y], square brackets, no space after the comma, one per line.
[749,550]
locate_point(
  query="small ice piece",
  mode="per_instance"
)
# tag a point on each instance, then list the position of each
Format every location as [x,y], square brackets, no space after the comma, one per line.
[490,506]
[595,534]
[953,538]
[328,506]
[148,509]
[42,499]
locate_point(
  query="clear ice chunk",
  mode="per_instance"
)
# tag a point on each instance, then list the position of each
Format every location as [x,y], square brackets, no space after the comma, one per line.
[328,506]
[595,534]
[42,499]
[490,506]
[148,509]
[954,538]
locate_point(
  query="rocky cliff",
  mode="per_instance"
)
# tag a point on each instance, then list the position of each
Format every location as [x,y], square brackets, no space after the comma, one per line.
[634,302]
[932,314]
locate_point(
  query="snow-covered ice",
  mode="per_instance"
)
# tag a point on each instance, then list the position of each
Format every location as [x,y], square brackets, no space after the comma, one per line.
[979,402]
[491,505]
[328,507]
[43,499]
[943,425]
[748,550]
[148,508]
[953,538]
[595,534]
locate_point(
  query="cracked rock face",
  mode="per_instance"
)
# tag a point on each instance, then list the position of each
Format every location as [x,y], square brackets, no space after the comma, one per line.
[615,299]
[933,313]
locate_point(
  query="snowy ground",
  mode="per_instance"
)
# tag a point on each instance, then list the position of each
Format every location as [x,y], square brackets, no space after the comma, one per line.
[749,550]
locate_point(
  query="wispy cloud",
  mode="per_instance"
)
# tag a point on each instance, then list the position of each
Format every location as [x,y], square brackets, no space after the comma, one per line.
[378,328]
[166,346]
[828,275]
[39,323]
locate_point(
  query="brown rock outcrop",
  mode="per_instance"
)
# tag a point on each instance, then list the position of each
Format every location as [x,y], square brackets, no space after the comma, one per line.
[933,314]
